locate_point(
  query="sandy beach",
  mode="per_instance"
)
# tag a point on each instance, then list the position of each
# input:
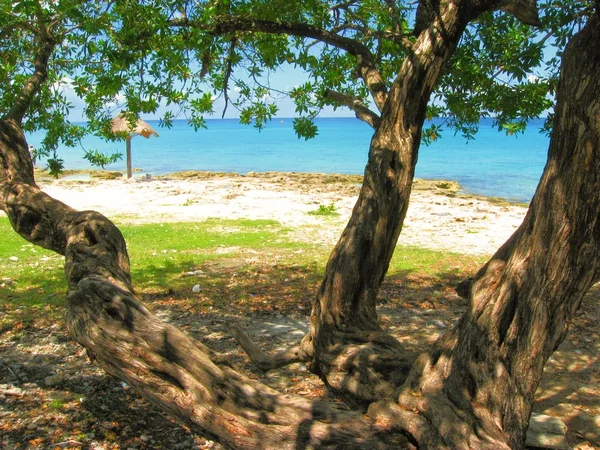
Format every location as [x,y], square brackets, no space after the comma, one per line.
[439,216]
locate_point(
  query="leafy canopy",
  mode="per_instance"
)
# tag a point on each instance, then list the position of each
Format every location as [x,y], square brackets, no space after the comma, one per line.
[183,55]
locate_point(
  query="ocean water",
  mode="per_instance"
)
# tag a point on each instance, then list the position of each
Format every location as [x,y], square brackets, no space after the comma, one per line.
[492,165]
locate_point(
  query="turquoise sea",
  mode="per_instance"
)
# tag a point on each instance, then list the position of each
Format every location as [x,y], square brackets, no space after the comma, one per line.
[493,164]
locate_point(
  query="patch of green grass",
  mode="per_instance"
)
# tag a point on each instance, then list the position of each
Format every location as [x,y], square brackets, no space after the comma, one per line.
[232,259]
[56,404]
[162,253]
[30,276]
[408,259]
[324,210]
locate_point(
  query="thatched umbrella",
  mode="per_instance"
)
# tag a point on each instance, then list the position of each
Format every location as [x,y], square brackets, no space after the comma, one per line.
[120,125]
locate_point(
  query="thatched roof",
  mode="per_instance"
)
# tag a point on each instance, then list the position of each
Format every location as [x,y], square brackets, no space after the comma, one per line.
[121,125]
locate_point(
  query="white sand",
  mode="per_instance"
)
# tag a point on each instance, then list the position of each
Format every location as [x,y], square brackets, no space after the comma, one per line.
[463,224]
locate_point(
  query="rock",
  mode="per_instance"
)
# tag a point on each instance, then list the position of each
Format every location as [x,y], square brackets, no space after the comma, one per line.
[194,273]
[438,323]
[13,258]
[546,432]
[196,289]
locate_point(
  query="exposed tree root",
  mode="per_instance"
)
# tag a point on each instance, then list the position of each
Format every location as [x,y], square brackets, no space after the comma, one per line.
[263,360]
[361,366]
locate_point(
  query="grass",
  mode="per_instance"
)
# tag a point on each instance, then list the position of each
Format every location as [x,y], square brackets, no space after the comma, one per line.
[161,254]
[436,263]
[241,265]
[324,210]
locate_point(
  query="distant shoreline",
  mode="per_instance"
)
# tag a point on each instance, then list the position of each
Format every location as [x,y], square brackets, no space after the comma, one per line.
[450,187]
[439,216]
[493,164]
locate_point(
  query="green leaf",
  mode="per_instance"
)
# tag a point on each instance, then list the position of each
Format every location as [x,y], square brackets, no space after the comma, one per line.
[305,128]
[55,165]
[99,159]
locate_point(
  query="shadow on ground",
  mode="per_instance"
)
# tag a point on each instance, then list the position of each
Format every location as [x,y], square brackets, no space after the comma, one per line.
[51,395]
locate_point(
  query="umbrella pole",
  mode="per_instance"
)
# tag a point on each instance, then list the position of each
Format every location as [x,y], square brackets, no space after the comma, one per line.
[128,141]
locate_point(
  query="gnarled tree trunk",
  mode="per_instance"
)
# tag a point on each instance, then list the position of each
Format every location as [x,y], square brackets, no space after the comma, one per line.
[171,370]
[477,386]
[345,344]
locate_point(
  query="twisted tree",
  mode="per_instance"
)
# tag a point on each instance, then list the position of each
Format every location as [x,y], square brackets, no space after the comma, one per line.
[475,387]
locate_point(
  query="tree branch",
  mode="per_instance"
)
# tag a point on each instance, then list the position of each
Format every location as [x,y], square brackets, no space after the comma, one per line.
[355,104]
[366,63]
[395,14]
[35,81]
[263,360]
[228,70]
[524,10]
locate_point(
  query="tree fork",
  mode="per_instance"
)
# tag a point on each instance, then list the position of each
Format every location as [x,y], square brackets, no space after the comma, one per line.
[480,378]
[345,307]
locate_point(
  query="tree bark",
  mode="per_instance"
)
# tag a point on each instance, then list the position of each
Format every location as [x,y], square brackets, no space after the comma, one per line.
[180,375]
[475,389]
[345,344]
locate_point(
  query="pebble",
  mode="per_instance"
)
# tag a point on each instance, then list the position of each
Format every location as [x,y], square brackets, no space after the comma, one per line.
[13,258]
[194,273]
[438,323]
[196,289]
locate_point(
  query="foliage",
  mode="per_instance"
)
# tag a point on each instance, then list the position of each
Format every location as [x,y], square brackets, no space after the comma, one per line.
[324,210]
[97,158]
[54,165]
[184,56]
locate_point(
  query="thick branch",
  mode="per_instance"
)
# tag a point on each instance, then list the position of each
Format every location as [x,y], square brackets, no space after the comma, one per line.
[35,81]
[524,10]
[355,104]
[366,64]
[262,360]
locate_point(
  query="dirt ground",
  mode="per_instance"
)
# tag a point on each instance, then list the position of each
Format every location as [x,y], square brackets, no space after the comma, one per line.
[52,396]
